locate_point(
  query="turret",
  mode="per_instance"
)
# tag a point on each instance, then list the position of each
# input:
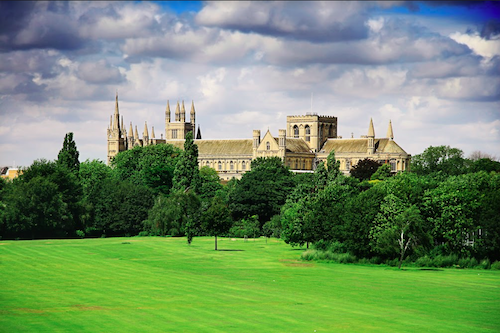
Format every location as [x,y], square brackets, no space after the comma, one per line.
[145,135]
[183,113]
[282,138]
[390,134]
[256,139]
[371,138]
[192,116]
[177,112]
[152,132]
[167,113]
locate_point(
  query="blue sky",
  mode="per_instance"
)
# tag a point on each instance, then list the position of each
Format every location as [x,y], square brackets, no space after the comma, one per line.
[433,69]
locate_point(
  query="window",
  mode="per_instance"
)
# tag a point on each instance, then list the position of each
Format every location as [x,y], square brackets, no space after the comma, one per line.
[268,145]
[219,166]
[330,131]
[303,164]
[243,165]
[174,134]
[296,131]
[393,165]
[347,165]
[321,133]
[296,164]
[231,165]
[308,133]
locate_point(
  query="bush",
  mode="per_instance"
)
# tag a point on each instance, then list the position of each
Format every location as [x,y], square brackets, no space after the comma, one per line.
[484,264]
[80,233]
[495,265]
[424,261]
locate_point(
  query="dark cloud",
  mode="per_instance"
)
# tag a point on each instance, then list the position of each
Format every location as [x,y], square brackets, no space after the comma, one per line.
[312,21]
[39,26]
[491,30]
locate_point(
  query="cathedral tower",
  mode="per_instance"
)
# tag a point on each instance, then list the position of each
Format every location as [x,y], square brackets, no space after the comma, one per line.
[116,141]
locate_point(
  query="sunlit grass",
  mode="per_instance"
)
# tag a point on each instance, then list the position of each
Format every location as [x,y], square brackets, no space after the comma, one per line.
[165,285]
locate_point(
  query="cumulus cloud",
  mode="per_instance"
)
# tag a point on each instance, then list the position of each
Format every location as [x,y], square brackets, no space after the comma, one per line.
[100,72]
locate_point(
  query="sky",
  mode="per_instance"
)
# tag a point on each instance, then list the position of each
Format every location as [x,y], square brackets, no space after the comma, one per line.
[432,68]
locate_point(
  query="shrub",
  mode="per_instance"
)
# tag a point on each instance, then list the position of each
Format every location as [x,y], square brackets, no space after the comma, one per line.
[80,233]
[484,264]
[495,265]
[424,261]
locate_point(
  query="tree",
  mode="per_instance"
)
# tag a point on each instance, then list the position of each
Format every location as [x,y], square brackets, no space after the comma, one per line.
[151,166]
[364,169]
[383,172]
[333,165]
[67,185]
[397,227]
[120,207]
[449,161]
[217,218]
[68,155]
[186,174]
[209,183]
[262,190]
[485,164]
[320,177]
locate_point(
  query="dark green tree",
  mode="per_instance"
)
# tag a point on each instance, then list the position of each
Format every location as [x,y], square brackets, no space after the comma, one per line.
[217,218]
[333,165]
[383,172]
[210,183]
[68,155]
[320,177]
[364,169]
[151,166]
[187,174]
[262,190]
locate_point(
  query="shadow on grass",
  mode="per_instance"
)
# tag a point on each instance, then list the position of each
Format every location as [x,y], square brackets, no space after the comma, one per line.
[298,249]
[229,250]
[421,269]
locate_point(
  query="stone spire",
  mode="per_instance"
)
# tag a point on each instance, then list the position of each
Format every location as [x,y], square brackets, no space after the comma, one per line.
[136,134]
[152,132]
[390,134]
[116,116]
[145,134]
[198,135]
[183,113]
[177,112]
[192,118]
[371,130]
[130,131]
[167,112]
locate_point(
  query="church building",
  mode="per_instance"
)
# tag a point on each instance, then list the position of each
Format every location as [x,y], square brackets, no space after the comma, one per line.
[307,140]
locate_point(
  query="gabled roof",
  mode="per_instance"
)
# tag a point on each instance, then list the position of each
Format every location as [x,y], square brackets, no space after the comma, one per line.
[219,147]
[361,145]
[295,145]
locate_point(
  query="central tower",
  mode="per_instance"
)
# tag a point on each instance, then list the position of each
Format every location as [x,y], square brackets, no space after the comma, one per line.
[311,128]
[179,128]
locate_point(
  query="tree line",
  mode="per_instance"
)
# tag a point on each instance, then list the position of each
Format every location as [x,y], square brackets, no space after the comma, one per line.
[446,205]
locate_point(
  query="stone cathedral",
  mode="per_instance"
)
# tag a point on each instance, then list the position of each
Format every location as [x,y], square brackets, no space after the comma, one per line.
[307,140]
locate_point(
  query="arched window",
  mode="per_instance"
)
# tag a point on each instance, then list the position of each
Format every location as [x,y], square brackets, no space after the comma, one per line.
[347,165]
[268,145]
[219,165]
[330,131]
[296,131]
[243,165]
[231,165]
[308,133]
[296,164]
[303,164]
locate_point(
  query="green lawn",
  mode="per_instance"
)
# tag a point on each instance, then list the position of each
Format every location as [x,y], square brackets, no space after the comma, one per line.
[164,285]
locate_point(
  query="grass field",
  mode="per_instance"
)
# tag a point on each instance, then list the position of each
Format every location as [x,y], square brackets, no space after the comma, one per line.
[164,285]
